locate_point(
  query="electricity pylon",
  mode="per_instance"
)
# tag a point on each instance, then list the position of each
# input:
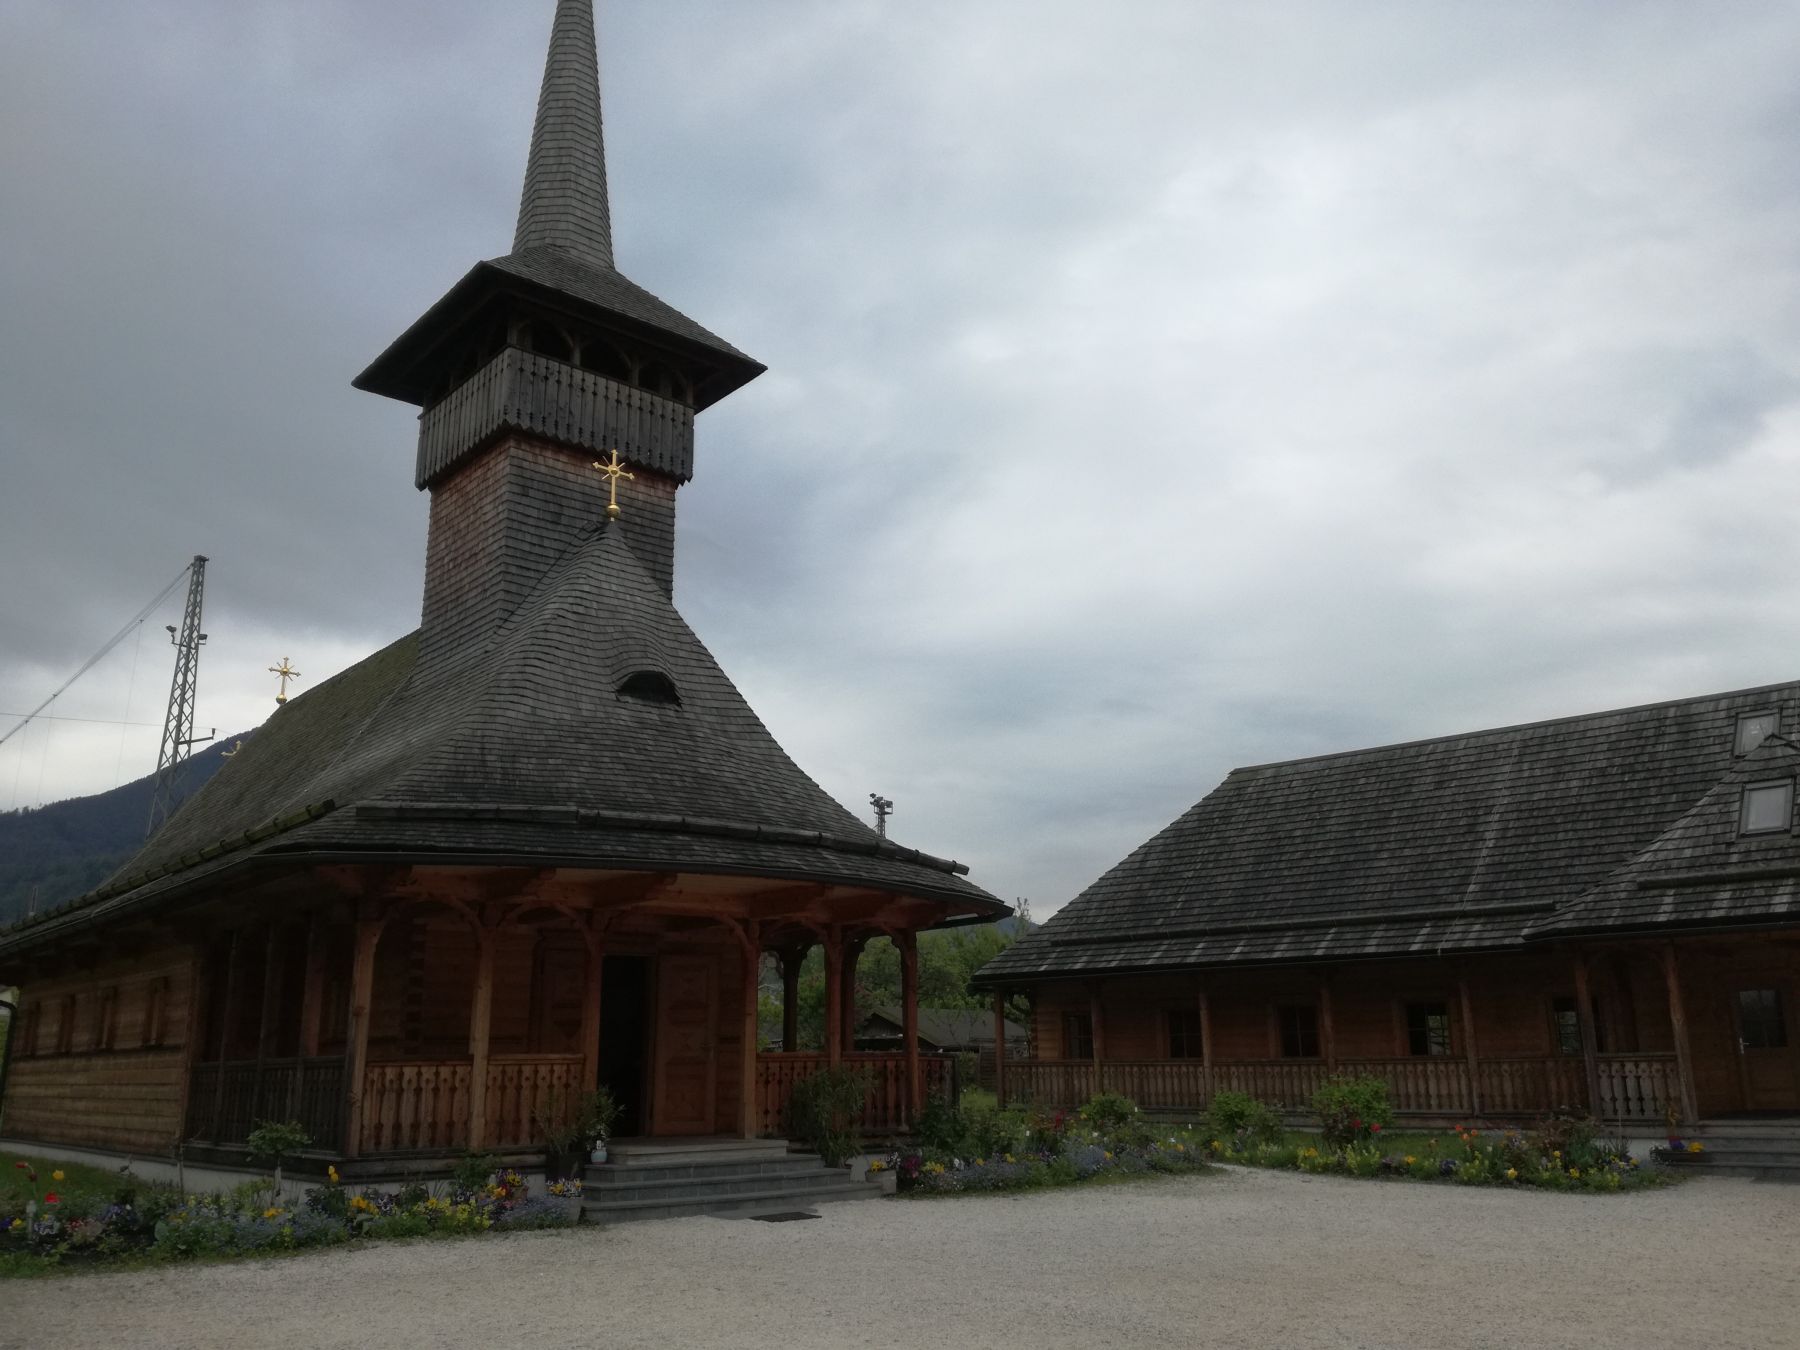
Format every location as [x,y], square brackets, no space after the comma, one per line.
[178,740]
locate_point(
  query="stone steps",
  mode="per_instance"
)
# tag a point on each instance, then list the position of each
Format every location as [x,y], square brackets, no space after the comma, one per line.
[668,1179]
[1768,1150]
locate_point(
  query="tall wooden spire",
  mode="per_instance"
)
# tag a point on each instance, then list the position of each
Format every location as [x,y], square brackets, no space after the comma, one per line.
[564,202]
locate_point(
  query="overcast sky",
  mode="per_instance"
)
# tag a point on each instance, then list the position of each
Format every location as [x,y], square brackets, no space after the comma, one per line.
[1154,388]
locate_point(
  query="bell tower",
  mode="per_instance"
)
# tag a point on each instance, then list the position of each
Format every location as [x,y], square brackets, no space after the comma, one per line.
[540,361]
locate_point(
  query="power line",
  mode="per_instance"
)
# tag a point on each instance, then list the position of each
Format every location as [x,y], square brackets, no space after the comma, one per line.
[94,660]
[103,721]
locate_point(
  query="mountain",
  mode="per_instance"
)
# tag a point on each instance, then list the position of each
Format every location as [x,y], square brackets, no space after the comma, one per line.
[53,853]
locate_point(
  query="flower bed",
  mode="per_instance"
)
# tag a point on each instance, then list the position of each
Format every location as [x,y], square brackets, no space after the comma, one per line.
[1468,1156]
[984,1149]
[54,1215]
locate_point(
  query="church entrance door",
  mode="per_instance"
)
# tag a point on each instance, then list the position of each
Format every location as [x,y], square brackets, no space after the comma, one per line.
[687,1019]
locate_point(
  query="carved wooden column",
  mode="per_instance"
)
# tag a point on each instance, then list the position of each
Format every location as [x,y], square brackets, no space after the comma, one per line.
[1327,1026]
[481,1014]
[834,995]
[1097,1033]
[1000,1047]
[356,1055]
[312,986]
[1584,1013]
[593,963]
[853,951]
[1469,1048]
[908,943]
[749,1111]
[1684,1056]
[792,959]
[1206,1045]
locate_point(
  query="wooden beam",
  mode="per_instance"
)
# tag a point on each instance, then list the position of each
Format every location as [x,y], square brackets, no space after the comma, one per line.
[1584,1012]
[271,996]
[356,1060]
[1684,1055]
[749,1107]
[908,943]
[781,900]
[834,987]
[1000,1047]
[190,1042]
[481,1016]
[1469,1047]
[227,1015]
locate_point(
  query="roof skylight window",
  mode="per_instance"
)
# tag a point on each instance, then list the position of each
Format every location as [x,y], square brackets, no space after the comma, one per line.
[650,686]
[1753,729]
[1768,807]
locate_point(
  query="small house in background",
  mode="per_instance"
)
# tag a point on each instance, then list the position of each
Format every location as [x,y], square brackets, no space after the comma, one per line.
[951,1031]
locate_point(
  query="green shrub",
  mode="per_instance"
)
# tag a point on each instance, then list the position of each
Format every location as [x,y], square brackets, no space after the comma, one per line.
[473,1171]
[1235,1116]
[825,1113]
[1352,1110]
[1569,1136]
[1109,1112]
[941,1126]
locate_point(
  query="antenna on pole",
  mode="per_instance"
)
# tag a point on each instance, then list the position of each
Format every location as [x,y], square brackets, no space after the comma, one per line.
[178,739]
[883,809]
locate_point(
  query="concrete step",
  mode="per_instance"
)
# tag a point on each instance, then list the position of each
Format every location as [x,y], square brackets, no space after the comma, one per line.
[601,1176]
[652,1152]
[1748,1129]
[750,1203]
[821,1178]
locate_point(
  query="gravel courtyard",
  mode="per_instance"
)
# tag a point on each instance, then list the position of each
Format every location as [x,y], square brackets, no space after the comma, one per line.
[1262,1259]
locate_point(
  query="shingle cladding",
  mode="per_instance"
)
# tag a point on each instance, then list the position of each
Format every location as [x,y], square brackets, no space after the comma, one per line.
[1464,843]
[521,750]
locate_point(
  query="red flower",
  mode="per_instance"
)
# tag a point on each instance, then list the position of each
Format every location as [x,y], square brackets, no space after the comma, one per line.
[19,1164]
[52,1199]
[1375,1128]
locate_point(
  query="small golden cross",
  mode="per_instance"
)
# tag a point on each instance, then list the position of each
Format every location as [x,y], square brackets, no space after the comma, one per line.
[614,471]
[287,673]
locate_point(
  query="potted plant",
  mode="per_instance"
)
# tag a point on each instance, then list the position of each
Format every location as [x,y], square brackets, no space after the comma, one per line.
[560,1126]
[595,1116]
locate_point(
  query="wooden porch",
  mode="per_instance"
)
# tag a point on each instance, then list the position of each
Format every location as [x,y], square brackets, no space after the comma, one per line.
[421,1018]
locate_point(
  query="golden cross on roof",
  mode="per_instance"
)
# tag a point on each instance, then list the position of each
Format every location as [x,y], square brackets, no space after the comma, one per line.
[287,673]
[614,471]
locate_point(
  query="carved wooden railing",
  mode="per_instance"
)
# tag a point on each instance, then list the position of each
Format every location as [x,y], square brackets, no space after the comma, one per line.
[1636,1087]
[1418,1085]
[423,1105]
[884,1109]
[226,1100]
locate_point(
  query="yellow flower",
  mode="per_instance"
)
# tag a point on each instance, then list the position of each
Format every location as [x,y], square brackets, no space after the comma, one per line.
[17,1224]
[1512,1174]
[332,1172]
[1409,1160]
[1695,1147]
[1557,1154]
[1575,1172]
[1010,1158]
[272,1213]
[56,1175]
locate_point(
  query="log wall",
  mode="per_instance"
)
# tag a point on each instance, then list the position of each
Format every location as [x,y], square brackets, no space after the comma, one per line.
[118,1087]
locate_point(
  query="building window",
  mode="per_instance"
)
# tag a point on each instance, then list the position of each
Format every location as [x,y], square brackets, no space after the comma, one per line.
[106,1022]
[1184,1034]
[650,686]
[1753,729]
[1427,1029]
[1565,1023]
[1768,807]
[1078,1035]
[65,1025]
[1298,1024]
[156,1003]
[1761,1025]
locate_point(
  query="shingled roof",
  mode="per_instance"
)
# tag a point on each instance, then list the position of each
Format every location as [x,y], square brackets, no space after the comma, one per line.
[1616,820]
[523,750]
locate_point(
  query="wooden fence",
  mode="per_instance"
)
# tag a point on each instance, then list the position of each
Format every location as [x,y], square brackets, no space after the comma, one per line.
[227,1099]
[884,1109]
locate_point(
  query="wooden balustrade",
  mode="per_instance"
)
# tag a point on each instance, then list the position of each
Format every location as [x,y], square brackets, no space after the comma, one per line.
[226,1100]
[1419,1085]
[1637,1087]
[885,1107]
[423,1105]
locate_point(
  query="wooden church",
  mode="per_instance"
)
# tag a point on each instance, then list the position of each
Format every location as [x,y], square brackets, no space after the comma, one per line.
[540,843]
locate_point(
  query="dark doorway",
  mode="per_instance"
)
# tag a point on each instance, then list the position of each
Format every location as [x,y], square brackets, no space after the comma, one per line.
[625,1037]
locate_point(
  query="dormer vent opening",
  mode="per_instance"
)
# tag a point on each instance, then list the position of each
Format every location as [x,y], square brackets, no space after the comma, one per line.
[1753,729]
[650,686]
